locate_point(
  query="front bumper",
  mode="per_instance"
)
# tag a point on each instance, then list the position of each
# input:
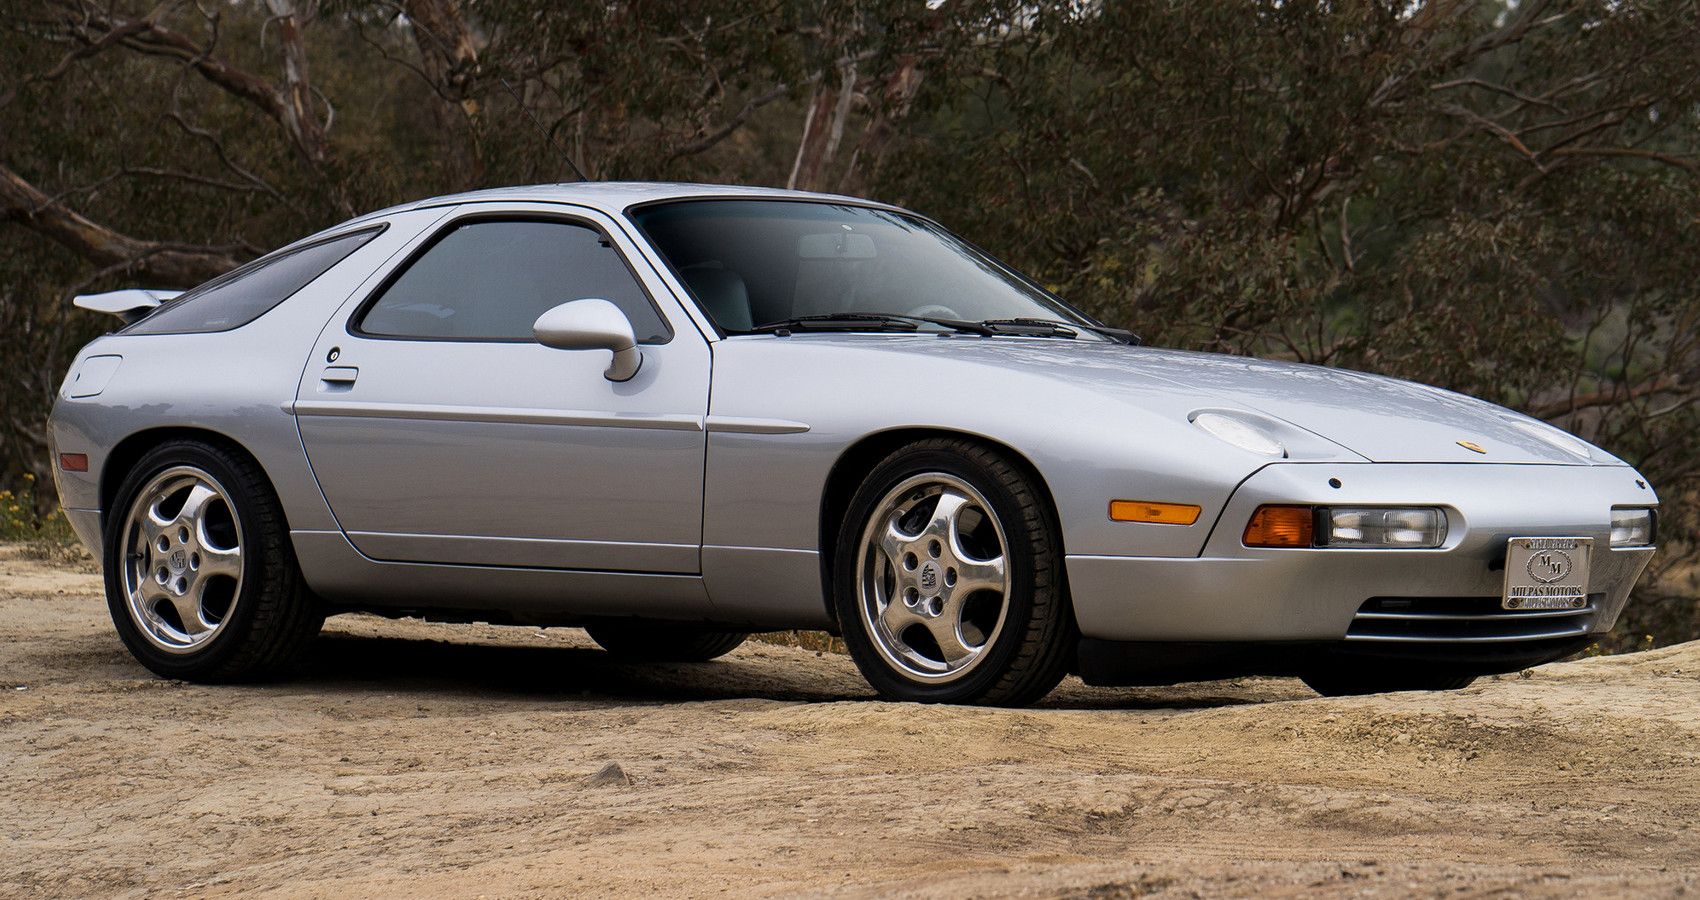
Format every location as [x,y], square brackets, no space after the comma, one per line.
[1234,593]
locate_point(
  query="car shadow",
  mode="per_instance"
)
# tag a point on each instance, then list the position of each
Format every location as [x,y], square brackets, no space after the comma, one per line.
[584,674]
[348,665]
[359,663]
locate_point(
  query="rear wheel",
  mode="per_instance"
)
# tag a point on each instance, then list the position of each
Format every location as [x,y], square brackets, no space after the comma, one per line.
[1349,681]
[664,643]
[201,580]
[948,579]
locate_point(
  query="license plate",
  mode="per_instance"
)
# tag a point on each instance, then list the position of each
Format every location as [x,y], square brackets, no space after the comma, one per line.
[1547,573]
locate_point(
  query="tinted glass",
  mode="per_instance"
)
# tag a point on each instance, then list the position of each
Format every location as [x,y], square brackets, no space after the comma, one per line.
[235,299]
[763,261]
[491,280]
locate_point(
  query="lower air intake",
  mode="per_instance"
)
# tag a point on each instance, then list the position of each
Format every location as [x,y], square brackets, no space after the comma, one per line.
[1466,620]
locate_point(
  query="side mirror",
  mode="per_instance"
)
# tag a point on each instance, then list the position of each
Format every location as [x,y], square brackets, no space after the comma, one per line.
[592,325]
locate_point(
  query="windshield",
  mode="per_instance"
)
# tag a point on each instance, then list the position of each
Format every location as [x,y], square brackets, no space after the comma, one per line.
[751,263]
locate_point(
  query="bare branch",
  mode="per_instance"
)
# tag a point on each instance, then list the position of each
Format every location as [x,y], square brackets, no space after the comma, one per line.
[1663,384]
[1500,89]
[290,107]
[731,125]
[166,264]
[1681,162]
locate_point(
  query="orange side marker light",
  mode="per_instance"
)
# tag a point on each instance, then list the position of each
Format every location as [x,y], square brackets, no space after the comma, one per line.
[1148,511]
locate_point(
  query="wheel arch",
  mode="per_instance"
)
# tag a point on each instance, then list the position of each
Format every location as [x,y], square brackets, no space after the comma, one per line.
[126,453]
[860,458]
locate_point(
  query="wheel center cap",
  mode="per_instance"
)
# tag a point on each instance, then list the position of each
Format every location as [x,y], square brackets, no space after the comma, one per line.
[929,577]
[179,560]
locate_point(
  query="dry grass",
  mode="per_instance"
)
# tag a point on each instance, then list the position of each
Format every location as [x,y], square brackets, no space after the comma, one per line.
[818,641]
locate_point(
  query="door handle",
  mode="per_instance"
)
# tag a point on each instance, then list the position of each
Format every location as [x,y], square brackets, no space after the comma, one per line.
[338,378]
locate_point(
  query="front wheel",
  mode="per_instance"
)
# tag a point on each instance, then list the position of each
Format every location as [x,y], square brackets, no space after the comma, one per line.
[948,579]
[201,579]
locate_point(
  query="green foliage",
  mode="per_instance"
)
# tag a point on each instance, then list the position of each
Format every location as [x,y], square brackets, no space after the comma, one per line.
[22,520]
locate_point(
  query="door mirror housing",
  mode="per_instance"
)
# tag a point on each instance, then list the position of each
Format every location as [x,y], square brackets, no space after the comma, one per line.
[592,324]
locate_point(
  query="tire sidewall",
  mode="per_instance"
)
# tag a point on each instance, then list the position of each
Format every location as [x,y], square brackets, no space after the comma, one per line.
[1019,557]
[218,649]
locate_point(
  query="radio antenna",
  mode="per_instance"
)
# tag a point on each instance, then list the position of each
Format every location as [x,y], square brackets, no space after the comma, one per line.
[544,131]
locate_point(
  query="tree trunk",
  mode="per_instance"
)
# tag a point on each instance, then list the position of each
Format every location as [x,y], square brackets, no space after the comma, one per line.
[162,264]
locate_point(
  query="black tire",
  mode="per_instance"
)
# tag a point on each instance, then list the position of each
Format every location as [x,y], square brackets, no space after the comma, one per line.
[664,643]
[270,618]
[1035,646]
[1357,680]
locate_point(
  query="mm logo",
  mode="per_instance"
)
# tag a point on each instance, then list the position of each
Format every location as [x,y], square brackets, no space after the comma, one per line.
[1548,566]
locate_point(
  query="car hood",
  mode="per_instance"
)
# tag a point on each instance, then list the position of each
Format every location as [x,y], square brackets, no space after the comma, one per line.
[1381,419]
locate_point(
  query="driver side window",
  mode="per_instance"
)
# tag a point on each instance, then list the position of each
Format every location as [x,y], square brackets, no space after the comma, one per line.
[489,280]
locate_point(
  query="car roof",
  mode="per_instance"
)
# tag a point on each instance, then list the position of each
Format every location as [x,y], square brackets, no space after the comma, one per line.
[612,197]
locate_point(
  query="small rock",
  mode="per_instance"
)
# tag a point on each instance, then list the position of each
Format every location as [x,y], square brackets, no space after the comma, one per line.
[609,774]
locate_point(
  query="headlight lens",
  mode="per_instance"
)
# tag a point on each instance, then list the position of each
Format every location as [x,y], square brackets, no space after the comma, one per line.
[1239,433]
[1384,527]
[1631,527]
[1360,527]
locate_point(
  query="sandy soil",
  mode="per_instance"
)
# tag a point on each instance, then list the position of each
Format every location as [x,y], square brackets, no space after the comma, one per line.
[424,760]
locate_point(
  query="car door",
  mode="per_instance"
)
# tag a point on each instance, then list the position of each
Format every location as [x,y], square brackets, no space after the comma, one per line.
[441,431]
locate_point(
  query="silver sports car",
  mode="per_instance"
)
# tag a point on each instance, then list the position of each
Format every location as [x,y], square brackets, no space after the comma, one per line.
[677,414]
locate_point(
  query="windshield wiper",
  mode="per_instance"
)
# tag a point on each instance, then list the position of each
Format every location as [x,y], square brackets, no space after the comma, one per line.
[861,321]
[1066,329]
[837,322]
[872,321]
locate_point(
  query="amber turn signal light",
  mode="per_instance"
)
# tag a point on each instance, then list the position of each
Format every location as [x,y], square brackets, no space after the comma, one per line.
[1159,513]
[74,462]
[1281,526]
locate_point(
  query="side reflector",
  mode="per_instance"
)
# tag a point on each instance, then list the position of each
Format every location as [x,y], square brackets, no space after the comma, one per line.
[74,462]
[1281,526]
[1159,513]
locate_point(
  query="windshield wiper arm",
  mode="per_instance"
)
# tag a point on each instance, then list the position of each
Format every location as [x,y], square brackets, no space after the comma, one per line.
[873,321]
[838,322]
[1119,335]
[860,321]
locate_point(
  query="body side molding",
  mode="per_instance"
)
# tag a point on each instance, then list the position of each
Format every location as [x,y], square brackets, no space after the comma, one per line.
[747,425]
[446,413]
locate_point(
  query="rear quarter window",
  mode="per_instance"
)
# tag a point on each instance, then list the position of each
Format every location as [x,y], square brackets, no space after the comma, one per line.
[243,295]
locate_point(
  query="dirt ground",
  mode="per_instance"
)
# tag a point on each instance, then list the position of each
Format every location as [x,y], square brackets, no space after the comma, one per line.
[418,760]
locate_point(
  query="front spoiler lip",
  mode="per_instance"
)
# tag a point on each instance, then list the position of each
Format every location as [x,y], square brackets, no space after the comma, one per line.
[1154,663]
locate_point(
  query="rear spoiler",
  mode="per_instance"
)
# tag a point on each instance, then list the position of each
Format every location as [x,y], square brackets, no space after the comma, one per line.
[131,305]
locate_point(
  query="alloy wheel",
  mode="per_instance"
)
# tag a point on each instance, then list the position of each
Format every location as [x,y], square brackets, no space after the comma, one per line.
[182,563]
[934,577]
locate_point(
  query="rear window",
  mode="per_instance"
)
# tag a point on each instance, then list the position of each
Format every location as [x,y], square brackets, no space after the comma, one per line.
[243,295]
